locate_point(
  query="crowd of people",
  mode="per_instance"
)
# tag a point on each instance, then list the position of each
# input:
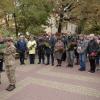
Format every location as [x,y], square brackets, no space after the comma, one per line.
[61,48]
[50,50]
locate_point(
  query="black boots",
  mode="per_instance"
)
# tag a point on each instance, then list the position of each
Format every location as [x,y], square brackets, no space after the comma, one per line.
[82,69]
[70,65]
[10,87]
[59,62]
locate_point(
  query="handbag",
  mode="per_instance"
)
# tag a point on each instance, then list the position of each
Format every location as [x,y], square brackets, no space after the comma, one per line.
[92,55]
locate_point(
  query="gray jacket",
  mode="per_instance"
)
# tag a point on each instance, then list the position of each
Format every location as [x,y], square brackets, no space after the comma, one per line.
[82,46]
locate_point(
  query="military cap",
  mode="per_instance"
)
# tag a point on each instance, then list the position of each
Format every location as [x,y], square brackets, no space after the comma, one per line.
[8,39]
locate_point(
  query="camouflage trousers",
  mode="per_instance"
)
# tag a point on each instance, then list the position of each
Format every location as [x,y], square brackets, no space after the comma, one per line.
[10,71]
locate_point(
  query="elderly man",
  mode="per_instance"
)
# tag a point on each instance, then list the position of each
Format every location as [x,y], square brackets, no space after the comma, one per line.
[92,50]
[21,48]
[81,49]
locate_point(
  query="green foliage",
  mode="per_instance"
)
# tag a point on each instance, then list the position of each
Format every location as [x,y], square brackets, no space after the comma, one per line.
[6,32]
[94,29]
[6,7]
[31,14]
[89,13]
[83,13]
[36,30]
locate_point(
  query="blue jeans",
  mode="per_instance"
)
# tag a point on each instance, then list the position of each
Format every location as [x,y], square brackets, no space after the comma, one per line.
[97,60]
[82,59]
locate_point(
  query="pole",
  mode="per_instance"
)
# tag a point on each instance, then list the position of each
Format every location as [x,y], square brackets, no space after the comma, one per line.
[14,15]
[16,28]
[60,21]
[51,25]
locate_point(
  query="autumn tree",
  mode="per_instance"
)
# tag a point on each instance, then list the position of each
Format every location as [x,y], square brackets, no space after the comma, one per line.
[84,13]
[28,15]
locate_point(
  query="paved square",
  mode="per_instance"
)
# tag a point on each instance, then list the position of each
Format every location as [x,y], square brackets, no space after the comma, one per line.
[41,82]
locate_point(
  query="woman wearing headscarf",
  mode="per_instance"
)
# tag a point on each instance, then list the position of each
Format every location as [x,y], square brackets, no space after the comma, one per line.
[58,51]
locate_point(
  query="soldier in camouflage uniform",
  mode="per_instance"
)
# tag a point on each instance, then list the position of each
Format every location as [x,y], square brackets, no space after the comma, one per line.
[9,57]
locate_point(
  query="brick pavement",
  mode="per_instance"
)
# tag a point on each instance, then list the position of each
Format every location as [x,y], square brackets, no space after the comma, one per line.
[40,82]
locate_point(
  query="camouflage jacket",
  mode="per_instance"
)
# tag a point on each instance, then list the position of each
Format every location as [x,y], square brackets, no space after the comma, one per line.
[9,55]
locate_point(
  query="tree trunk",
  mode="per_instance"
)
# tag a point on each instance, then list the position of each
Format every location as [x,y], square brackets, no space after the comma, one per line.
[16,28]
[6,21]
[60,22]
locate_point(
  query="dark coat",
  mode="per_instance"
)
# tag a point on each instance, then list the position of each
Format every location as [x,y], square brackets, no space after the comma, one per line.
[47,47]
[93,46]
[41,48]
[92,49]
[52,43]
[21,46]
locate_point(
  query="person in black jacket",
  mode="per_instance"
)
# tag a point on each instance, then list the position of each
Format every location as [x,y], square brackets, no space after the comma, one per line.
[92,50]
[52,44]
[70,51]
[64,40]
[41,51]
[47,50]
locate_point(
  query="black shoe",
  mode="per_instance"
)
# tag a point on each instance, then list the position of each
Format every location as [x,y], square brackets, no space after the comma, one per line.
[91,71]
[57,65]
[10,88]
[2,70]
[32,63]
[76,63]
[22,64]
[47,64]
[82,69]
[52,64]
[70,65]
